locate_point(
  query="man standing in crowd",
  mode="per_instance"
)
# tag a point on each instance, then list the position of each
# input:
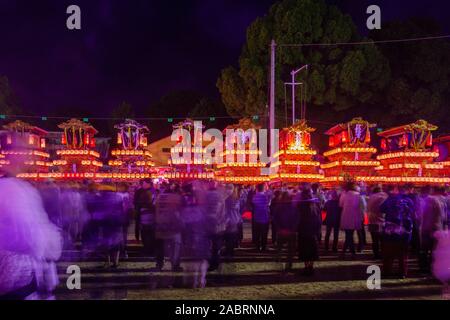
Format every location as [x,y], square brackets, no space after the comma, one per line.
[332,220]
[399,210]
[261,203]
[353,206]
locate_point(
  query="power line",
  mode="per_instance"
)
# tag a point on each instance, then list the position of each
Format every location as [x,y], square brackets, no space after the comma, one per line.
[44,118]
[363,42]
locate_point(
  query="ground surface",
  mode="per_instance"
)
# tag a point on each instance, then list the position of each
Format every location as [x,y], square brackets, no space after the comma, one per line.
[250,275]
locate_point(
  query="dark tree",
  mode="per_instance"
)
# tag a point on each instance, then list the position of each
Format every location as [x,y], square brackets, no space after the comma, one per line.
[9,103]
[419,86]
[340,78]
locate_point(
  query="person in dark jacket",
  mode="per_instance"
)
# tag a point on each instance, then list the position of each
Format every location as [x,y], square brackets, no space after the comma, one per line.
[261,203]
[285,220]
[273,204]
[398,209]
[308,231]
[332,220]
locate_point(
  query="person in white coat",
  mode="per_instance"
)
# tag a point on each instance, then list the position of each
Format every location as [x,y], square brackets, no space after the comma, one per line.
[353,206]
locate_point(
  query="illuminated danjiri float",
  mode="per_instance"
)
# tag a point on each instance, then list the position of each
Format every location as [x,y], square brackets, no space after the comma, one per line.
[78,158]
[408,155]
[350,156]
[296,157]
[241,157]
[23,150]
[187,161]
[131,160]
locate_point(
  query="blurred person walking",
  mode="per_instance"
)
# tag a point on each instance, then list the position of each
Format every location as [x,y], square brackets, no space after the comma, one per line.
[376,218]
[128,210]
[195,237]
[233,219]
[214,206]
[107,210]
[30,244]
[433,219]
[144,204]
[168,227]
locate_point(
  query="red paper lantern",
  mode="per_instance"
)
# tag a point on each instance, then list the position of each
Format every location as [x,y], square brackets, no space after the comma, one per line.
[383,144]
[307,139]
[92,143]
[429,142]
[63,139]
[367,140]
[331,141]
[404,141]
[344,136]
[86,139]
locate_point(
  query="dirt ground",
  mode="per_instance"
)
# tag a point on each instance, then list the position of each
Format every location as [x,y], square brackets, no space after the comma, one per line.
[249,275]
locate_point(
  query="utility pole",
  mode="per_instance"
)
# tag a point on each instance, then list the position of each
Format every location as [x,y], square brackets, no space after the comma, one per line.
[293,73]
[272,95]
[272,86]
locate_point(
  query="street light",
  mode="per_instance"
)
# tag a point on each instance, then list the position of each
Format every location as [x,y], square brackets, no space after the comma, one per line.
[293,83]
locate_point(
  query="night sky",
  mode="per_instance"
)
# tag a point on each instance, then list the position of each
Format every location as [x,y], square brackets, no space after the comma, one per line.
[138,50]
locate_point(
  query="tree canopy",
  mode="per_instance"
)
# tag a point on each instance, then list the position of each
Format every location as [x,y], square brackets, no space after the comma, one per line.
[420,73]
[8,101]
[339,78]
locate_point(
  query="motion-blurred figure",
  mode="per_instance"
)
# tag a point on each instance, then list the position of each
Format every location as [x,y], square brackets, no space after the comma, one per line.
[376,218]
[29,243]
[195,238]
[285,220]
[168,227]
[233,219]
[214,206]
[144,204]
[106,207]
[399,211]
[72,207]
[332,220]
[123,191]
[433,219]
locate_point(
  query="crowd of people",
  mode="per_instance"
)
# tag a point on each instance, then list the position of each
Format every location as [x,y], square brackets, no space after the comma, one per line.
[202,223]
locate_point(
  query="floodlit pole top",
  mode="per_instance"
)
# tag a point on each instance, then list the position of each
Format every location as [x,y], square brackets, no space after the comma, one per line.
[294,72]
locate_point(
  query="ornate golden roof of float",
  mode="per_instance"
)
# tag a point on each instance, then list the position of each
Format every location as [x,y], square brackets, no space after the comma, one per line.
[22,126]
[77,124]
[244,124]
[299,126]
